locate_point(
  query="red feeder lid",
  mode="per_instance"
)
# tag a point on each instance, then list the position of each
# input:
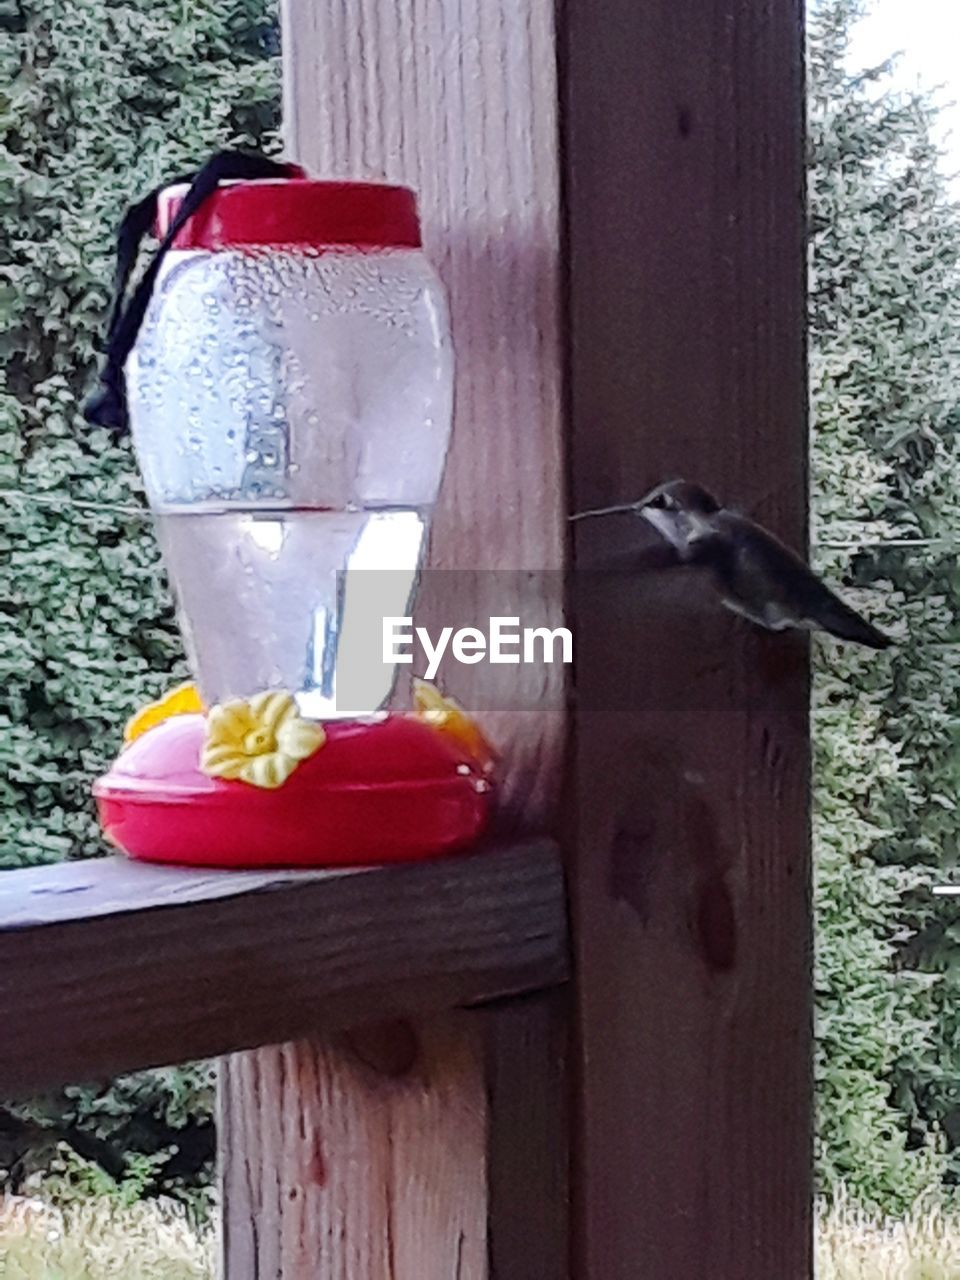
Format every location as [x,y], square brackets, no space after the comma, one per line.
[296,212]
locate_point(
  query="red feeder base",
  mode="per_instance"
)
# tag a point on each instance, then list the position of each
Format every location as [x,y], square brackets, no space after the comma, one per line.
[391,790]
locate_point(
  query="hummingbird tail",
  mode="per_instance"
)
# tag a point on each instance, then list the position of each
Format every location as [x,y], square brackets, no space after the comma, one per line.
[846,624]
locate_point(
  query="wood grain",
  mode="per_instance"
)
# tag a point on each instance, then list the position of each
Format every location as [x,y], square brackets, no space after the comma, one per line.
[528,1090]
[684,178]
[357,1171]
[129,966]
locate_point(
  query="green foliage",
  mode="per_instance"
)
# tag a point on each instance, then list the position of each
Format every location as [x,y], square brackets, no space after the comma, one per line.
[139,1134]
[100,100]
[885,375]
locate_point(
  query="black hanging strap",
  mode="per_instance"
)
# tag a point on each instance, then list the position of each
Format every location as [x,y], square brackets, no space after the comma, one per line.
[108,406]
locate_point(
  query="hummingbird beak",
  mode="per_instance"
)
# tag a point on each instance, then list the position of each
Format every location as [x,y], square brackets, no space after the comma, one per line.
[620,509]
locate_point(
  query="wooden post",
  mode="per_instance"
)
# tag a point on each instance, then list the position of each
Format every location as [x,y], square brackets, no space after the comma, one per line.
[360,1156]
[684,185]
[376,1169]
[683,152]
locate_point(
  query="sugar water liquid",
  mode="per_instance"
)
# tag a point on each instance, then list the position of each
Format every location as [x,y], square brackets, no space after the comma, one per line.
[293,599]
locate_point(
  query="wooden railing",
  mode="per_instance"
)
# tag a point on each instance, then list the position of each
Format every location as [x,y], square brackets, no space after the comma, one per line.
[110,965]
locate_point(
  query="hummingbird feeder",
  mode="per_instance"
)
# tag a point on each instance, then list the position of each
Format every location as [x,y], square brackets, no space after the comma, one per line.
[286,372]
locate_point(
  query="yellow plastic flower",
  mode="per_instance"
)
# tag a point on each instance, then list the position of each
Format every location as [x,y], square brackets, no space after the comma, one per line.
[178,702]
[260,740]
[448,717]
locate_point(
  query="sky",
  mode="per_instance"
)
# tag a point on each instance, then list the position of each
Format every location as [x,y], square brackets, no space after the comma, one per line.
[926,33]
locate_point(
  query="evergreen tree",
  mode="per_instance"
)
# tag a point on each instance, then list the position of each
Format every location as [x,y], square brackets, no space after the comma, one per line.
[885,384]
[100,100]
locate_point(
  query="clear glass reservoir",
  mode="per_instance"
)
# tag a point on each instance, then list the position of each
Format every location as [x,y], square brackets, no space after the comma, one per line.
[290,398]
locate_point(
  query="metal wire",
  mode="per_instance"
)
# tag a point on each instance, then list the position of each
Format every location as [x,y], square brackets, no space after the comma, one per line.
[142,513]
[81,504]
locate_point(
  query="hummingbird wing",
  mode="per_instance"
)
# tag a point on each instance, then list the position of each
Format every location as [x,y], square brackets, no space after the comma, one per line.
[650,558]
[764,580]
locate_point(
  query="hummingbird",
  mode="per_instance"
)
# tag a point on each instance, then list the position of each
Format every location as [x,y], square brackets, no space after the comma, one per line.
[754,574]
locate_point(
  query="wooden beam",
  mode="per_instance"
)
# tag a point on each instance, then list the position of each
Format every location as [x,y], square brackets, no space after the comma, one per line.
[684,180]
[130,965]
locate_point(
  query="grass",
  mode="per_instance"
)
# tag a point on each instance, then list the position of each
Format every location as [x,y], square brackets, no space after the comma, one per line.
[853,1245]
[154,1241]
[102,1241]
